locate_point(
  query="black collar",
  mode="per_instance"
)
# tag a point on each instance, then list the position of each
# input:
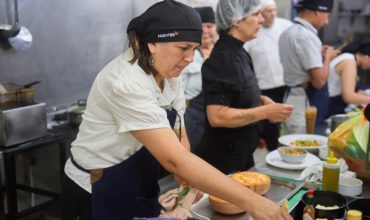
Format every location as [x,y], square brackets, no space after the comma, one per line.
[233,42]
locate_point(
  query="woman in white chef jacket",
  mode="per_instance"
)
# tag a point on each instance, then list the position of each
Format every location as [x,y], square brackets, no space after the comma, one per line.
[126,134]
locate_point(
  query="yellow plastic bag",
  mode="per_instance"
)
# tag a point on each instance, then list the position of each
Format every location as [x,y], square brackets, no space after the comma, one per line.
[350,141]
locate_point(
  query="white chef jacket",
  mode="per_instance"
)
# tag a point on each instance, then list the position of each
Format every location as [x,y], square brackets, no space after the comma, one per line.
[264,50]
[123,98]
[192,77]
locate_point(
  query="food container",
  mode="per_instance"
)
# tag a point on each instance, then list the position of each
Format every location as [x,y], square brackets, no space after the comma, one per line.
[336,120]
[350,186]
[257,182]
[22,124]
[362,205]
[224,207]
[13,95]
[292,154]
[76,112]
[328,199]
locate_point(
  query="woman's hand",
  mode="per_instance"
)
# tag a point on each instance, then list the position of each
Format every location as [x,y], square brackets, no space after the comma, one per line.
[264,209]
[277,112]
[266,100]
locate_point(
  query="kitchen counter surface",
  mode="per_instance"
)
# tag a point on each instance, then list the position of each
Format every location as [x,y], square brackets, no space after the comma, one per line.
[203,209]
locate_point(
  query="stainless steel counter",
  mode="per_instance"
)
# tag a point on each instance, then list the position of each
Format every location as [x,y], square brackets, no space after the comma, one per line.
[203,208]
[279,190]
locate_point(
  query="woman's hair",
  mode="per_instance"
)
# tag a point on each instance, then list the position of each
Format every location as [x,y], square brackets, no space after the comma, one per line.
[358,46]
[141,52]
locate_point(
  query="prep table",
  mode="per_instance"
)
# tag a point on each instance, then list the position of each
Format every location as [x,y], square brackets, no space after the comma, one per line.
[204,209]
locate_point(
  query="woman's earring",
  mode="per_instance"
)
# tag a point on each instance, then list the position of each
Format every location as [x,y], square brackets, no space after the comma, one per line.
[151,61]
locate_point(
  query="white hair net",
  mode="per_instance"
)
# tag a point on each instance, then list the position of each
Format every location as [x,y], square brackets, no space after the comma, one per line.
[265,3]
[228,12]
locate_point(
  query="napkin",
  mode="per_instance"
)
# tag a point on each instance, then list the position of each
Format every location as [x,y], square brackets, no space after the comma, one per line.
[177,203]
[314,172]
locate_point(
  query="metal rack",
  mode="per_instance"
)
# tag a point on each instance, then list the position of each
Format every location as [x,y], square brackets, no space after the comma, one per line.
[11,185]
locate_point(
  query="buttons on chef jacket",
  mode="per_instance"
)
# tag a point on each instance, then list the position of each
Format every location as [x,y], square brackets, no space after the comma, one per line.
[222,98]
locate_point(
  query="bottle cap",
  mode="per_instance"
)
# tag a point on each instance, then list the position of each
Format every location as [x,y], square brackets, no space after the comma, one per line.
[310,193]
[331,158]
[354,213]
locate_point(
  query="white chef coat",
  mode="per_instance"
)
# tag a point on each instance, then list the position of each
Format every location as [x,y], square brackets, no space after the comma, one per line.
[192,77]
[264,50]
[334,81]
[123,98]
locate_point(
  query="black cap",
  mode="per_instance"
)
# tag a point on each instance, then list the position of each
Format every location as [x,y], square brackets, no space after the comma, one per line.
[206,14]
[168,21]
[316,5]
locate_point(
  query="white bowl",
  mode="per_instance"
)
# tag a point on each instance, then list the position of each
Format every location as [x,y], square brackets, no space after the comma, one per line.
[292,154]
[350,186]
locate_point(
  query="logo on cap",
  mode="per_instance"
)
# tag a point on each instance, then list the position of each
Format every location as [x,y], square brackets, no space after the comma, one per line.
[323,7]
[168,35]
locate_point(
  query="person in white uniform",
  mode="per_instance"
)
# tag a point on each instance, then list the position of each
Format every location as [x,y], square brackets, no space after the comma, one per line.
[126,131]
[264,51]
[343,76]
[305,70]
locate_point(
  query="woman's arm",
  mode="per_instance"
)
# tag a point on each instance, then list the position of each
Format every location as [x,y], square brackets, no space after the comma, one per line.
[184,137]
[224,116]
[347,70]
[177,160]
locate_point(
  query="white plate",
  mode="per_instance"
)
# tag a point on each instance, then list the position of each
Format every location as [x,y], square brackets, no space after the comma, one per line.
[274,159]
[288,139]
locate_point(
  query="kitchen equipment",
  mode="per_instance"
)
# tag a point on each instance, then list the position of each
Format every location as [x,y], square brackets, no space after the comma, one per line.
[279,190]
[362,205]
[19,37]
[75,113]
[336,120]
[350,186]
[13,95]
[8,30]
[22,124]
[328,199]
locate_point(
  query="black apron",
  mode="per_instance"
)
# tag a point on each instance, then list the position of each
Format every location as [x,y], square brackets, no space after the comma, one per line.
[128,189]
[318,98]
[195,120]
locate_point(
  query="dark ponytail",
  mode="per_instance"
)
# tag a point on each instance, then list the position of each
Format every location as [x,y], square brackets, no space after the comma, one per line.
[141,52]
[359,46]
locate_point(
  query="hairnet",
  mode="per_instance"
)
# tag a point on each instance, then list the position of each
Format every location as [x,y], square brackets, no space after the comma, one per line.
[265,3]
[228,12]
